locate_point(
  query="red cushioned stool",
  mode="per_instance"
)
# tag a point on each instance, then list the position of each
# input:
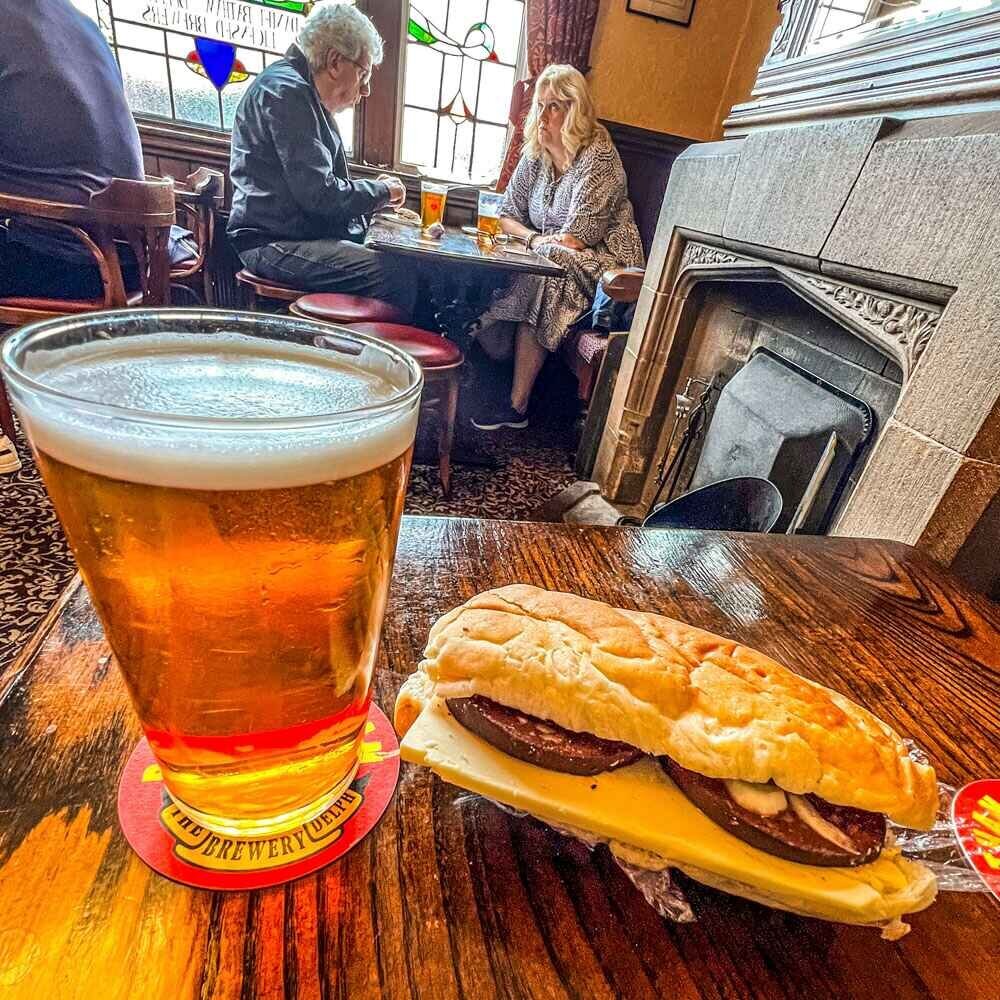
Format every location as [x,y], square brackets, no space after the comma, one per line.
[336,307]
[440,360]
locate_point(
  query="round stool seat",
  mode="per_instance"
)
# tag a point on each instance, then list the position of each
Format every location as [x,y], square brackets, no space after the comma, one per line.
[335,307]
[429,350]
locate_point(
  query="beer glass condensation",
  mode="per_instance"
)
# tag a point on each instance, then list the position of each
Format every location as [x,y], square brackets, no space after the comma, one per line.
[232,493]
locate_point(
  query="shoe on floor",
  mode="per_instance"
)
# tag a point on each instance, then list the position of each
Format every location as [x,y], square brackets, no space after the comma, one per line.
[500,416]
[9,462]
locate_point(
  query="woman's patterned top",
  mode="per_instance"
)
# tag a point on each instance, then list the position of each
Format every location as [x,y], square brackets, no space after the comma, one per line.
[589,201]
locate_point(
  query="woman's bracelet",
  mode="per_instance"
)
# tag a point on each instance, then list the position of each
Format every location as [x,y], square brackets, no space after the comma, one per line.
[531,240]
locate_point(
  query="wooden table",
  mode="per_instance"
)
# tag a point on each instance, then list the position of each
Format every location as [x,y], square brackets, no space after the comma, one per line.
[451,898]
[455,247]
[458,274]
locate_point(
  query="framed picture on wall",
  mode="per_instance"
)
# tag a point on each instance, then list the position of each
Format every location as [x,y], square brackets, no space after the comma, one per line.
[677,11]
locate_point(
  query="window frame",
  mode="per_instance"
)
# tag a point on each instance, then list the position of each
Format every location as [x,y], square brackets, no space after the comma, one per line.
[922,64]
[377,119]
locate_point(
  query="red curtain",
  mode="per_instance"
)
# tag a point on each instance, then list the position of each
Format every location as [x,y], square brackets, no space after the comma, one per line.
[558,31]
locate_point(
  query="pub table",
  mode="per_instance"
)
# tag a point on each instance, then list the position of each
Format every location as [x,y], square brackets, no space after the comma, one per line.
[460,273]
[450,897]
[457,247]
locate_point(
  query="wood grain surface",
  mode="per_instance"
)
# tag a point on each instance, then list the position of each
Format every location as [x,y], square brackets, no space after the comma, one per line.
[450,898]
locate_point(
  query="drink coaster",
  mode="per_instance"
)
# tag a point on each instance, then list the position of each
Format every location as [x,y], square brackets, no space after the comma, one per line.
[975,817]
[175,846]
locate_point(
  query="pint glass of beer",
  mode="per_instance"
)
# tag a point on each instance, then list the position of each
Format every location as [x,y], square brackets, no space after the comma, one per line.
[488,221]
[231,485]
[433,197]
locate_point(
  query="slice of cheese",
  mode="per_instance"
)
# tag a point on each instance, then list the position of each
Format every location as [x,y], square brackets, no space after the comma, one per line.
[640,812]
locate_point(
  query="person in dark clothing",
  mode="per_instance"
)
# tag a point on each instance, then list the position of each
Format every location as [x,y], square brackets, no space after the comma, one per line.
[67,131]
[297,217]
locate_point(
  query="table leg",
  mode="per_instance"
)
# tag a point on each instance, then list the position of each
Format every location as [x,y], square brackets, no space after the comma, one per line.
[457,300]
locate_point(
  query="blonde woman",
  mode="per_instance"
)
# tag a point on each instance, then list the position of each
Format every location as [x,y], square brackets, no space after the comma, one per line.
[568,199]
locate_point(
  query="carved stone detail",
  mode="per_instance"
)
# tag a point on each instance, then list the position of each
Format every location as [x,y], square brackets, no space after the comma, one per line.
[782,34]
[903,325]
[702,253]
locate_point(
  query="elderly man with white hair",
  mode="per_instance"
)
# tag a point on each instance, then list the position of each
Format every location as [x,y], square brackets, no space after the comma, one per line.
[297,216]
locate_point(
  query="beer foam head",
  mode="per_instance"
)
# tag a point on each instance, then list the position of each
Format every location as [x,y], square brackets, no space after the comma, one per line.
[218,411]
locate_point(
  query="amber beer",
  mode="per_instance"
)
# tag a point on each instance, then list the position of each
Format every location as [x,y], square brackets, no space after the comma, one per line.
[240,572]
[488,225]
[433,198]
[488,221]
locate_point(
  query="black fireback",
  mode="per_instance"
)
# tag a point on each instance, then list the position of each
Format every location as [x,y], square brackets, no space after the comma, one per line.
[774,419]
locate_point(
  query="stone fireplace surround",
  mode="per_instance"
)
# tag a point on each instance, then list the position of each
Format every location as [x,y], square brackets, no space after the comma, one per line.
[892,229]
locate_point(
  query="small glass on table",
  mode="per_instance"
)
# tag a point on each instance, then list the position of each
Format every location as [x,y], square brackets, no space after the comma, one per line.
[488,222]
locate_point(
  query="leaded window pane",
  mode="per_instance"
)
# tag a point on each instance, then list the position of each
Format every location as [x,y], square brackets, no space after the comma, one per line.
[461,59]
[143,32]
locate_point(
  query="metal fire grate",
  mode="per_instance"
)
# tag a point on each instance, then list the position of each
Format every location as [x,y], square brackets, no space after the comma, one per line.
[783,423]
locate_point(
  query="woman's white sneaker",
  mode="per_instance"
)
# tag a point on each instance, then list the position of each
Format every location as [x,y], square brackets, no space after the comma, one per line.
[9,462]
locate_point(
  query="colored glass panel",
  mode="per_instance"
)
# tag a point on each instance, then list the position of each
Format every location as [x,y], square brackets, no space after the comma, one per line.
[457,73]
[201,38]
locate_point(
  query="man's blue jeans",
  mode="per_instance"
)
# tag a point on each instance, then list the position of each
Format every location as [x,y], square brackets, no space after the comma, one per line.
[335,266]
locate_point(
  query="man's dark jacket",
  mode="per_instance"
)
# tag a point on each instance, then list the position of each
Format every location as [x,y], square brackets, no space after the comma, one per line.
[289,169]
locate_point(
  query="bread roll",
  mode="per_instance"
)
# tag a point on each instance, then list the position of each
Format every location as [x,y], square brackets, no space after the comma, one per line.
[714,706]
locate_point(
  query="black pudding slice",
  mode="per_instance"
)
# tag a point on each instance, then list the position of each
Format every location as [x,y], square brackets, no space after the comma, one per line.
[538,741]
[785,835]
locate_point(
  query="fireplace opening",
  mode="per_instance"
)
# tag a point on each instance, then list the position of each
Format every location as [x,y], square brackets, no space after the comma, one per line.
[777,421]
[794,397]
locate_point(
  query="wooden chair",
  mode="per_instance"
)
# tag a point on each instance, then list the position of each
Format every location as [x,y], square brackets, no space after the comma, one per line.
[136,213]
[9,462]
[198,199]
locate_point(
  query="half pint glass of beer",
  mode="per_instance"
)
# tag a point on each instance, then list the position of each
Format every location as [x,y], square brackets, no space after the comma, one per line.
[231,485]
[488,221]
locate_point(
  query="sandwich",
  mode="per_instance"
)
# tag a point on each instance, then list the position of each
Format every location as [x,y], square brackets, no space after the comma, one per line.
[675,747]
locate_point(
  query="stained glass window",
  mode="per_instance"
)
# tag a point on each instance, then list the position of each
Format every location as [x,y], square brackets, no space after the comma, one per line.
[183,59]
[461,64]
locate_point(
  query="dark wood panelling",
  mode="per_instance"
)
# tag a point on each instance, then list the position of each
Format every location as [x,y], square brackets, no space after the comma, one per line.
[178,150]
[647,158]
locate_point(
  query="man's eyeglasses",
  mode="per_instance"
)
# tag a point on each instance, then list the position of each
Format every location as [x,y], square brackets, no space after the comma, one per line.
[364,72]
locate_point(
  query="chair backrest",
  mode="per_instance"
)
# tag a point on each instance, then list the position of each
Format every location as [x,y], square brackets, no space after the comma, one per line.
[139,213]
[744,503]
[198,198]
[205,184]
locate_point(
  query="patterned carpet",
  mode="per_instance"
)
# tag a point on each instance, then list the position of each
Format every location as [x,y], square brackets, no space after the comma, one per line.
[532,466]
